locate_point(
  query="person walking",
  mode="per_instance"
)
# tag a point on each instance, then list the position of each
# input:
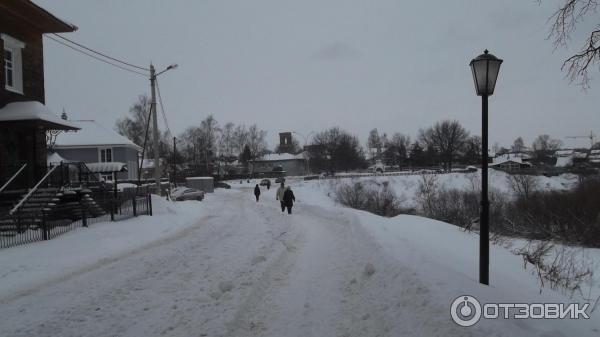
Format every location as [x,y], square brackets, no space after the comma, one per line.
[257,192]
[279,196]
[288,199]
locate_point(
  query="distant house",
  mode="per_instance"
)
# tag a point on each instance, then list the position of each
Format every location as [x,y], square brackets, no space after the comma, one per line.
[570,157]
[97,145]
[292,165]
[511,165]
[594,157]
[24,119]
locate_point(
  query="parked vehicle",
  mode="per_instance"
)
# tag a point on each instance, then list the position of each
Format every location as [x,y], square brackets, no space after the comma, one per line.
[265,182]
[220,184]
[186,193]
[280,180]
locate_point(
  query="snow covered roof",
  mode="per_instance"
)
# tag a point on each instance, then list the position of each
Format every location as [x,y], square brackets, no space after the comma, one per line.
[34,111]
[507,157]
[92,134]
[107,167]
[508,161]
[281,156]
[563,153]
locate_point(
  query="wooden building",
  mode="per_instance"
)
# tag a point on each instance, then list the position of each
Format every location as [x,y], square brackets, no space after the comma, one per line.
[24,119]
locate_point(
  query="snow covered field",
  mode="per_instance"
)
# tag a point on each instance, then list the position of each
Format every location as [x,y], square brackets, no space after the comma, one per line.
[228,266]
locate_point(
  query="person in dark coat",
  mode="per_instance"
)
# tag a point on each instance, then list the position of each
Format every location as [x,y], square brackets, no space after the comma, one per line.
[257,192]
[288,199]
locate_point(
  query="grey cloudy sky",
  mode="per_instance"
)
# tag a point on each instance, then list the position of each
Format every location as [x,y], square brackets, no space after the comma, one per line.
[311,64]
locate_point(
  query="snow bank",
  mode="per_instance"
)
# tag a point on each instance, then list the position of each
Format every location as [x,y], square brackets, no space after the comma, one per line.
[26,267]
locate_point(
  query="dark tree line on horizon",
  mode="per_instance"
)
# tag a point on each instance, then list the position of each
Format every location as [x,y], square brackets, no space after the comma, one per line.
[442,145]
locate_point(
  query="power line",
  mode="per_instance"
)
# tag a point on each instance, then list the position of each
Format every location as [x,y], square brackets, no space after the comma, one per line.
[162,108]
[96,57]
[102,54]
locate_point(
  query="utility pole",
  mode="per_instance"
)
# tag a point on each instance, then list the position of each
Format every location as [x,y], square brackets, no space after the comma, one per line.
[174,161]
[155,130]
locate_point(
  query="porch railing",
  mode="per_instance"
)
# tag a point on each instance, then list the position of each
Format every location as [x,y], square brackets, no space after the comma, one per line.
[10,180]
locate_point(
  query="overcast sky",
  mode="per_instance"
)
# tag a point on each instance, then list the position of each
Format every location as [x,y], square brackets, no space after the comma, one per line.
[307,65]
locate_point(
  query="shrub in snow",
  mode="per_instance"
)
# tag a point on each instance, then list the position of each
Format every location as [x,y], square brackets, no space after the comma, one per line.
[571,216]
[372,196]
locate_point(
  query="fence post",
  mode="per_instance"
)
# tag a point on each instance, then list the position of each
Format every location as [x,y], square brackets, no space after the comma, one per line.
[134,206]
[149,196]
[111,205]
[44,226]
[83,215]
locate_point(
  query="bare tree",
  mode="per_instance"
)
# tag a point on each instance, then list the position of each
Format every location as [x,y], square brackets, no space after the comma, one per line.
[397,149]
[518,145]
[226,139]
[523,185]
[240,138]
[543,146]
[563,23]
[448,137]
[257,141]
[134,125]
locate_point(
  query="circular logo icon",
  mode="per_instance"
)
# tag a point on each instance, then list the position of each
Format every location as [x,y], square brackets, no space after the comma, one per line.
[465,310]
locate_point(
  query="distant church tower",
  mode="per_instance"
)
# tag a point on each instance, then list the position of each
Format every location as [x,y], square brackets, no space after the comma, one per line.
[285,142]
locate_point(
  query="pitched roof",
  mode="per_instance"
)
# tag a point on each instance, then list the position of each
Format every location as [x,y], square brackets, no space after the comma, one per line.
[92,134]
[34,111]
[36,16]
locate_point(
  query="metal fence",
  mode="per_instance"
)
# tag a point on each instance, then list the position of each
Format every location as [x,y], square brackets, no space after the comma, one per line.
[17,231]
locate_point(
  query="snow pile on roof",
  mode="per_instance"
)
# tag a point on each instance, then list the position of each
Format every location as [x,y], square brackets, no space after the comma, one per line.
[107,167]
[281,156]
[507,157]
[92,134]
[564,153]
[34,111]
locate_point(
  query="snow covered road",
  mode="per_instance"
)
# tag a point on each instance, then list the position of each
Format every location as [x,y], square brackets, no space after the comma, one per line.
[245,269]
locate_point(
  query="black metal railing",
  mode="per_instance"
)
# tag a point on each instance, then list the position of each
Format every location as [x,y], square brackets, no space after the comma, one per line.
[68,197]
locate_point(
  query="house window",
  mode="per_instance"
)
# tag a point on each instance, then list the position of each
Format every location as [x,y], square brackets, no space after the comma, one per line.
[107,177]
[106,155]
[13,65]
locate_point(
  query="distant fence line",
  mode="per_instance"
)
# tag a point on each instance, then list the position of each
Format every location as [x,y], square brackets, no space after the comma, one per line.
[388,174]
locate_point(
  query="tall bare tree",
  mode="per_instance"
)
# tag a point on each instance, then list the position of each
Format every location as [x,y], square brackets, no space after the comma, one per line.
[240,138]
[134,126]
[447,137]
[518,145]
[257,141]
[226,139]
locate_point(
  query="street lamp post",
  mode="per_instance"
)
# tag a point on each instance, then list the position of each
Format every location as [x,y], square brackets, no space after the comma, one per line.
[153,76]
[485,69]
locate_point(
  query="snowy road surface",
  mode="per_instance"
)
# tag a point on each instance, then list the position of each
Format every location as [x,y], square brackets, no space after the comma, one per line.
[245,269]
